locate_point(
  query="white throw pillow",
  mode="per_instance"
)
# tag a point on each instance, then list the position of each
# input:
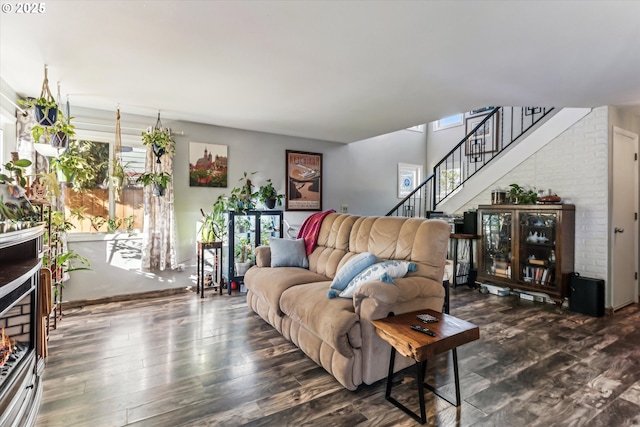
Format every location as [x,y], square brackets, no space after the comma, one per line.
[383,271]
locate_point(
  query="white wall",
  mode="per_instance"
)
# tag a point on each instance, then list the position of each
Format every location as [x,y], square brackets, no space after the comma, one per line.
[362,175]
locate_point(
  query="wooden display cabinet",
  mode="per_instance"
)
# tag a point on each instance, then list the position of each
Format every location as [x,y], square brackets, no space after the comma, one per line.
[527,247]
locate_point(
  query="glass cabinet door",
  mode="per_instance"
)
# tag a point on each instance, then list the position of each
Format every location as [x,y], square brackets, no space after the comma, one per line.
[496,239]
[270,225]
[537,255]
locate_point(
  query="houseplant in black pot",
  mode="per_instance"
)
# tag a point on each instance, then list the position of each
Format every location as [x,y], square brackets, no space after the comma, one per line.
[268,195]
[57,135]
[158,180]
[45,109]
[160,141]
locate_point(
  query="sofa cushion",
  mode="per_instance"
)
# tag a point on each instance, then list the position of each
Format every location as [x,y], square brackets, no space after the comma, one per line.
[288,253]
[269,283]
[383,271]
[332,320]
[349,270]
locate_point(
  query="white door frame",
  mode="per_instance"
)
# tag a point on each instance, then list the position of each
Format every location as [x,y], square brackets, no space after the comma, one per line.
[634,137]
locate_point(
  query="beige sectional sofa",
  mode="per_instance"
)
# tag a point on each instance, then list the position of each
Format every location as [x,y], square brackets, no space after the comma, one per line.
[337,333]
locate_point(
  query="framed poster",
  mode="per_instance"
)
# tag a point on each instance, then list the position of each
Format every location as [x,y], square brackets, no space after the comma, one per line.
[304,181]
[207,165]
[409,177]
[484,139]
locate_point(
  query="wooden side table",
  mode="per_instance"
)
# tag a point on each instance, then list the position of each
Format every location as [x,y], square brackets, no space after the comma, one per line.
[202,247]
[450,333]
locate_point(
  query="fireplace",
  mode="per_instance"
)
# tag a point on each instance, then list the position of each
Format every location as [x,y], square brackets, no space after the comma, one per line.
[20,364]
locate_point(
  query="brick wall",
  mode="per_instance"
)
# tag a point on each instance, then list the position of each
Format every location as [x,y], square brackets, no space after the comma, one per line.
[16,321]
[575,166]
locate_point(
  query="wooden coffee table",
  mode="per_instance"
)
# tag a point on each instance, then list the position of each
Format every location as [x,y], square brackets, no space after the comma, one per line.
[450,333]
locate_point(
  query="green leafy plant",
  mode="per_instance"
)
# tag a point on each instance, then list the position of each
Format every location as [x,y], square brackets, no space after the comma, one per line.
[61,129]
[17,168]
[148,178]
[129,221]
[113,224]
[243,198]
[268,195]
[521,196]
[97,222]
[158,180]
[72,261]
[74,169]
[160,140]
[43,102]
[58,220]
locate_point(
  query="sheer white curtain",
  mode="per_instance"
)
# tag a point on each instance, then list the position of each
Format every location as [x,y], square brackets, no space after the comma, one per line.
[159,233]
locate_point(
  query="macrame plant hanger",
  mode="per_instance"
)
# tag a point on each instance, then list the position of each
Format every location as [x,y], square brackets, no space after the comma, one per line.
[117,170]
[46,116]
[159,152]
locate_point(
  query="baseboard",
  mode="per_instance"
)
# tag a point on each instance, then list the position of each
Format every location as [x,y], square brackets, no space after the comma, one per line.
[126,297]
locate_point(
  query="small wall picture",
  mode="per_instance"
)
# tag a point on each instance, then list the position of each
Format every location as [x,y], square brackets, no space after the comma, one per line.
[409,176]
[207,165]
[304,181]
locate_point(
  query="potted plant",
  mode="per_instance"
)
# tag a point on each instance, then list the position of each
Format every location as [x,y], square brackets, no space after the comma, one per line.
[57,135]
[17,168]
[242,253]
[243,198]
[160,141]
[45,109]
[268,195]
[73,169]
[158,180]
[519,196]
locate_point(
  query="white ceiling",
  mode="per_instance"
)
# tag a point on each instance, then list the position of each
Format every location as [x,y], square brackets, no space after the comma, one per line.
[332,70]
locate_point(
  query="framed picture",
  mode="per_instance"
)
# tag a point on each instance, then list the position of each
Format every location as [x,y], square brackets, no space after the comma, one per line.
[409,177]
[207,165]
[483,111]
[484,139]
[304,181]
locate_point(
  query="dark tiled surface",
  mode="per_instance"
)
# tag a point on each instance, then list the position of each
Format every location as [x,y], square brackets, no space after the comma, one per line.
[183,361]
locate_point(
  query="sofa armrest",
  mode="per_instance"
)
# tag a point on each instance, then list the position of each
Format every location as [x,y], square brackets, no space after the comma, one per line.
[379,298]
[263,256]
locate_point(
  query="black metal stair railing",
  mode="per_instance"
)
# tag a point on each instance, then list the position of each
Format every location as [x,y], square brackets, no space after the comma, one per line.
[487,137]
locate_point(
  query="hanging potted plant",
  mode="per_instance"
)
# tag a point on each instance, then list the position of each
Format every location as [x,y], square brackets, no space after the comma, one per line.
[158,180]
[268,195]
[45,108]
[57,135]
[73,169]
[160,141]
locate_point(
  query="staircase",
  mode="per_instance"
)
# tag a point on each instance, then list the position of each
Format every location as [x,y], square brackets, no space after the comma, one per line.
[493,134]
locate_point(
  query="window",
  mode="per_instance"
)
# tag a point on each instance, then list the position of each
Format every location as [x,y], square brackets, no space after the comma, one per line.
[96,207]
[448,122]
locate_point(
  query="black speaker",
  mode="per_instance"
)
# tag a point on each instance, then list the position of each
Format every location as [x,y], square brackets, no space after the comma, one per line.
[586,295]
[470,222]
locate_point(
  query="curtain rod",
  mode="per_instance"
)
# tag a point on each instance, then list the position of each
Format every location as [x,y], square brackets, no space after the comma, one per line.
[173,132]
[13,103]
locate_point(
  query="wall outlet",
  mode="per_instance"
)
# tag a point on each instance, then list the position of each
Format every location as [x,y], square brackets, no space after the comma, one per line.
[344,208]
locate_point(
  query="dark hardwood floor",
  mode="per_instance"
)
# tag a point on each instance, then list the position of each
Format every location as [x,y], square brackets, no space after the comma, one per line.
[186,361]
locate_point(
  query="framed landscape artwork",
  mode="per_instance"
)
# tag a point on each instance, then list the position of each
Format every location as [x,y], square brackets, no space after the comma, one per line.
[304,181]
[484,139]
[207,165]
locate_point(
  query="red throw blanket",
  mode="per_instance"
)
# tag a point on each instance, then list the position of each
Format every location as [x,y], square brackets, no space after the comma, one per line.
[310,229]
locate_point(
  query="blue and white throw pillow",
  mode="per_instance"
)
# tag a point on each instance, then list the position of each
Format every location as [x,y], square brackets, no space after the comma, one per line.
[383,271]
[349,270]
